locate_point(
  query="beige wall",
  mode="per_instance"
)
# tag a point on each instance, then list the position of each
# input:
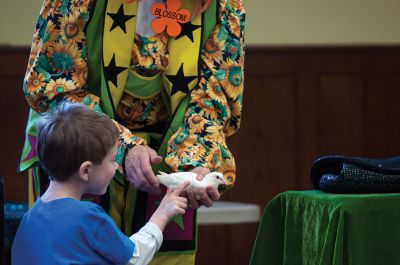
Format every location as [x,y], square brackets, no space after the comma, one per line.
[270,22]
[323,22]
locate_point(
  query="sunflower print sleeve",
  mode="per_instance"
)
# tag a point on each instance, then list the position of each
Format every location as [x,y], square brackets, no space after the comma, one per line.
[57,68]
[215,108]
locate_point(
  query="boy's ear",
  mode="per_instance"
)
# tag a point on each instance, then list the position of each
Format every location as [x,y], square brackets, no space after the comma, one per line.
[84,170]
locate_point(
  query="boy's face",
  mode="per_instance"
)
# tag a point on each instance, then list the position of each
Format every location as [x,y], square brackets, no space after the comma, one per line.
[101,175]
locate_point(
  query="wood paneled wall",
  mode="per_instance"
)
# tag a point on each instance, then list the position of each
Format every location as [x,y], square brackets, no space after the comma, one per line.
[299,104]
[303,103]
[13,117]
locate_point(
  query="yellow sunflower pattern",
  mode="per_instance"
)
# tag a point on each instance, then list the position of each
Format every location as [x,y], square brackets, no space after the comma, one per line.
[216,105]
[150,54]
[57,66]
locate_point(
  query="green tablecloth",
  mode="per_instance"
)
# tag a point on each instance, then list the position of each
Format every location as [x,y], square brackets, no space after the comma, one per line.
[313,227]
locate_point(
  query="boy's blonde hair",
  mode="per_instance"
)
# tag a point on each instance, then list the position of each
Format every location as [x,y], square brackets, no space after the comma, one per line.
[71,135]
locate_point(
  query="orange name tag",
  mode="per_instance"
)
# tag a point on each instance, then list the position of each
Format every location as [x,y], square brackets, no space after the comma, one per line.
[169,16]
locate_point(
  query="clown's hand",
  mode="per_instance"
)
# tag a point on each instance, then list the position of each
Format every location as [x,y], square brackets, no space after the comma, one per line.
[138,168]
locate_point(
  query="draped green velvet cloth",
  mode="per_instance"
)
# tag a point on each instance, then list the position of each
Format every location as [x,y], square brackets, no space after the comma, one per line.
[313,227]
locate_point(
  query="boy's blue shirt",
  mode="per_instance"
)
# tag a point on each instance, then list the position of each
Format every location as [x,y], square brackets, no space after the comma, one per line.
[68,231]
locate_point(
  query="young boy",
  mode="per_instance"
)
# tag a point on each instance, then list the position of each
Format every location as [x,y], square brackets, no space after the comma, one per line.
[77,147]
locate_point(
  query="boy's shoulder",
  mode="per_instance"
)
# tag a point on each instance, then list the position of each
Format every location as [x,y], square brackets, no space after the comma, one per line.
[90,211]
[83,204]
[88,205]
[68,207]
[73,214]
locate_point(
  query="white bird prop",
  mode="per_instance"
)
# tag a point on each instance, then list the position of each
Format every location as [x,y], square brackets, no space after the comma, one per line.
[173,180]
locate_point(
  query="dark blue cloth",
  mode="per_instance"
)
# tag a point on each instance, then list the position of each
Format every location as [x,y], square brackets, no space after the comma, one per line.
[68,231]
[13,214]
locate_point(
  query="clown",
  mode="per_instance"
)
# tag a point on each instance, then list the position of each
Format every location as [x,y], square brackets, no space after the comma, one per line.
[170,75]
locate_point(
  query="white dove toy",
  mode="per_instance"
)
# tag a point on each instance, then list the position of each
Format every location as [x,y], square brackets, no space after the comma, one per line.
[173,180]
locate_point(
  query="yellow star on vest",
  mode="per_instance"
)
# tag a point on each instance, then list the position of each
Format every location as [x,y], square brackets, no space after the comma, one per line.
[112,71]
[119,19]
[187,30]
[180,82]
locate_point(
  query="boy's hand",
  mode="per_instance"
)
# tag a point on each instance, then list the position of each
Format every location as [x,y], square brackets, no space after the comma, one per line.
[172,204]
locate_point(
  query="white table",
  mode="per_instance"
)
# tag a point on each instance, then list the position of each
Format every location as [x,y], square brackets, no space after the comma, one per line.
[224,212]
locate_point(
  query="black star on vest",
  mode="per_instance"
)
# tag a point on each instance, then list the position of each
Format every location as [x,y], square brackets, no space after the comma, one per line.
[112,71]
[119,19]
[187,30]
[180,81]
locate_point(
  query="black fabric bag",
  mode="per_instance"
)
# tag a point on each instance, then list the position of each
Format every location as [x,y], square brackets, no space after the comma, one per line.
[341,174]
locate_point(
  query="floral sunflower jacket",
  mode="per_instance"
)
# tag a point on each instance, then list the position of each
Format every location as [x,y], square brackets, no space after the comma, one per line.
[58,69]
